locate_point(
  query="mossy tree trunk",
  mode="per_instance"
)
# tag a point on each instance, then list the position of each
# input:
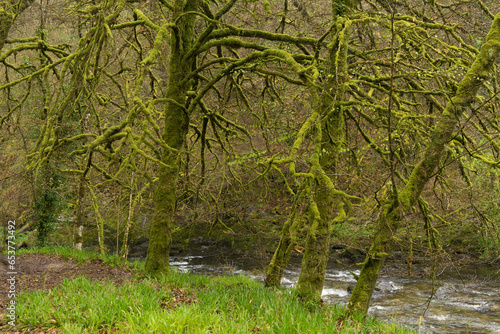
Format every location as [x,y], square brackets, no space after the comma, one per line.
[281,256]
[313,268]
[82,185]
[443,132]
[8,13]
[290,232]
[326,201]
[174,135]
[78,226]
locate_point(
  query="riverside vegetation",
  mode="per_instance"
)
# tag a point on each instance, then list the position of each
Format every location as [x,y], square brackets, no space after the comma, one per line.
[178,303]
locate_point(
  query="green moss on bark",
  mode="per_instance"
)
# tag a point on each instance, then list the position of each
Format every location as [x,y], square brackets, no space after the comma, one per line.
[174,136]
[8,13]
[329,140]
[442,134]
[324,199]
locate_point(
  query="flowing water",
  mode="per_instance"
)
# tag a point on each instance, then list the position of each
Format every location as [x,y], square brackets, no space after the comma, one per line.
[465,302]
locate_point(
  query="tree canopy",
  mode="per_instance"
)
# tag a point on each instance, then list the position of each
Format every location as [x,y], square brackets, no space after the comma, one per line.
[332,113]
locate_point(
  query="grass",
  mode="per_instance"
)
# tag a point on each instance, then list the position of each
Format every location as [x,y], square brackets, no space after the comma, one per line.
[82,256]
[184,303]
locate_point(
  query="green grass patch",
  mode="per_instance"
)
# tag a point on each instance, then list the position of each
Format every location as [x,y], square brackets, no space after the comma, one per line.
[83,256]
[184,303]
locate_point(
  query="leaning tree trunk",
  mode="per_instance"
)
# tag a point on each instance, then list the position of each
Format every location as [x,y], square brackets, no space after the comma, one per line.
[443,133]
[174,136]
[287,242]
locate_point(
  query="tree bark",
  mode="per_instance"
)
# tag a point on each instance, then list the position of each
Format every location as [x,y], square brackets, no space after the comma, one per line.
[174,136]
[442,134]
[8,14]
[325,200]
[317,248]
[289,234]
[124,252]
[78,225]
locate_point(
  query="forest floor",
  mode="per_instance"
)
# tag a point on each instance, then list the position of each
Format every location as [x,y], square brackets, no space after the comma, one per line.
[46,271]
[199,304]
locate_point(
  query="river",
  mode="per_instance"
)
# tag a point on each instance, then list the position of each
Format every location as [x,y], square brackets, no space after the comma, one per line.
[467,301]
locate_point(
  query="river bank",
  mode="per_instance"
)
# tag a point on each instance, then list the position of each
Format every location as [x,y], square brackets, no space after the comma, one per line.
[86,299]
[464,297]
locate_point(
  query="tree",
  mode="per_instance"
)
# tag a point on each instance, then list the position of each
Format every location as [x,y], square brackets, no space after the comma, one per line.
[394,89]
[320,185]
[143,135]
[442,134]
[8,13]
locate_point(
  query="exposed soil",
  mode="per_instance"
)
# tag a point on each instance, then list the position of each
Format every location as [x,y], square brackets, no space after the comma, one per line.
[44,272]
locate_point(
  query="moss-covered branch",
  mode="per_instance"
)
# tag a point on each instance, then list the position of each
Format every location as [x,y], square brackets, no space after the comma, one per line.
[443,133]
